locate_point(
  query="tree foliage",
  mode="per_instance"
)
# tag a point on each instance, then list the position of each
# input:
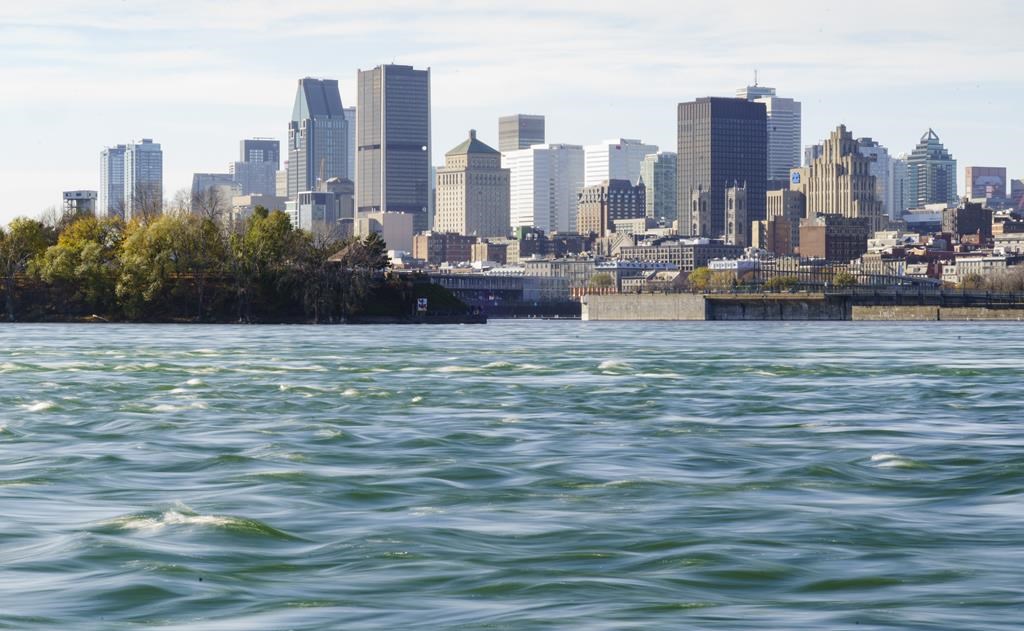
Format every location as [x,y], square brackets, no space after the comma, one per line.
[183,265]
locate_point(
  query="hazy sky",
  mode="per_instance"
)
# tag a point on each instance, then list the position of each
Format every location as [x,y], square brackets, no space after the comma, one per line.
[197,76]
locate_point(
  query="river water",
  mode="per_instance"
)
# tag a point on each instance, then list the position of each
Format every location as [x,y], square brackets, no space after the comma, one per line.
[518,475]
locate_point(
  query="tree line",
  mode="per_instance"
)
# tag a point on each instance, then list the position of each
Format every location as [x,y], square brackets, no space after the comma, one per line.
[185,266]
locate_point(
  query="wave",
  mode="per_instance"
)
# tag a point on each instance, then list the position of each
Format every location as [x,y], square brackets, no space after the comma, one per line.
[183,516]
[39,406]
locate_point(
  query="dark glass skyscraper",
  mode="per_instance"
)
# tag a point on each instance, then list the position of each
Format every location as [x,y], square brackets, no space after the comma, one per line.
[393,141]
[931,173]
[722,142]
[316,136]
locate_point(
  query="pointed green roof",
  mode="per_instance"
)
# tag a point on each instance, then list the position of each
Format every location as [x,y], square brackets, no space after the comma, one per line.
[471,145]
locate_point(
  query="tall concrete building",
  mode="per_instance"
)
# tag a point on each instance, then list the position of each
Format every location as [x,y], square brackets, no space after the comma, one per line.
[839,182]
[544,182]
[350,141]
[255,172]
[986,183]
[520,131]
[143,178]
[722,141]
[784,129]
[473,191]
[393,142]
[658,172]
[600,205]
[110,199]
[317,136]
[616,159]
[880,166]
[931,173]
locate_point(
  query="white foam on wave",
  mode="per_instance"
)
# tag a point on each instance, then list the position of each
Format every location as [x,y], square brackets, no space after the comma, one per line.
[350,392]
[612,364]
[170,518]
[167,407]
[458,369]
[39,406]
[885,459]
[417,399]
[8,367]
[195,381]
[499,364]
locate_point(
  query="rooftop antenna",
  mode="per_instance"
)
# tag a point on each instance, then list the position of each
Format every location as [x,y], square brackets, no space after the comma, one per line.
[755,77]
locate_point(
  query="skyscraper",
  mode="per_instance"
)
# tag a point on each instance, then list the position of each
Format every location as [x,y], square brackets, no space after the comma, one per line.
[520,131]
[544,182]
[317,139]
[722,142]
[350,143]
[393,142]
[616,159]
[880,166]
[143,178]
[658,172]
[784,129]
[472,191]
[600,205]
[840,182]
[255,173]
[111,194]
[931,173]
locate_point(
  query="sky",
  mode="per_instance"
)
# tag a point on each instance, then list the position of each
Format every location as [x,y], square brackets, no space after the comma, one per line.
[198,76]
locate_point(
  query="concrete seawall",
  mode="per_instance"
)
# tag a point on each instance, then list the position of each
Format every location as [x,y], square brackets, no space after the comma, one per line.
[784,307]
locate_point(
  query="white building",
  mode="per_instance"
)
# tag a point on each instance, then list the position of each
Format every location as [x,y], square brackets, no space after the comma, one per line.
[544,182]
[784,129]
[110,200]
[899,187]
[616,159]
[143,177]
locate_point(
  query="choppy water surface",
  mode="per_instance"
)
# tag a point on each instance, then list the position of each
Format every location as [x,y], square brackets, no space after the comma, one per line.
[521,475]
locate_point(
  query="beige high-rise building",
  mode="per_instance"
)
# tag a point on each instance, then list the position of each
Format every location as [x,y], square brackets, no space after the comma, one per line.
[473,191]
[839,181]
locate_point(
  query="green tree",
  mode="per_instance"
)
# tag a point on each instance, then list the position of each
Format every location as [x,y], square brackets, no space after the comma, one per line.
[843,278]
[700,279]
[602,280]
[84,264]
[782,283]
[259,256]
[23,241]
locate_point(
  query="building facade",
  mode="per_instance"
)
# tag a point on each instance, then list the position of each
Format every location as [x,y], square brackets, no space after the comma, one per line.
[544,183]
[600,205]
[317,136]
[80,202]
[687,254]
[472,191]
[880,166]
[350,140]
[520,131]
[987,183]
[931,173]
[393,142]
[737,226]
[834,237]
[783,119]
[143,178]
[721,141]
[658,172]
[255,171]
[617,159]
[839,182]
[110,198]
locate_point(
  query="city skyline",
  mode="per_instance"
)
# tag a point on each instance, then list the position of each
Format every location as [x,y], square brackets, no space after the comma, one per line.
[81,74]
